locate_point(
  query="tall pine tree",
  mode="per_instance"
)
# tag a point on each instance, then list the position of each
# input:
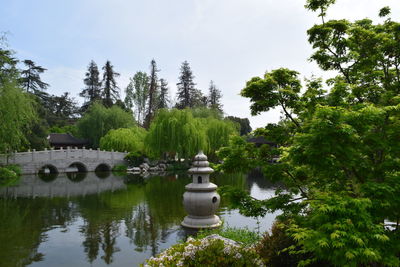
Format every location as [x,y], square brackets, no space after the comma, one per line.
[163,100]
[214,97]
[186,87]
[92,90]
[153,92]
[30,79]
[110,89]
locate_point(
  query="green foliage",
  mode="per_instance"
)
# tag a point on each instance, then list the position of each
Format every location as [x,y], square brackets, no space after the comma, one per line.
[71,129]
[124,139]
[135,158]
[15,168]
[206,252]
[16,116]
[175,131]
[178,166]
[241,156]
[242,235]
[205,113]
[137,93]
[119,168]
[9,175]
[319,5]
[385,11]
[99,120]
[341,229]
[339,159]
[273,248]
[244,123]
[278,88]
[218,133]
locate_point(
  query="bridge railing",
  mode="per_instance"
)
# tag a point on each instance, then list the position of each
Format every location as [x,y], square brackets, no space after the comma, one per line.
[52,154]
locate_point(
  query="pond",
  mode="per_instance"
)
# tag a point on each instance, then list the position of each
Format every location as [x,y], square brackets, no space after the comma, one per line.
[104,219]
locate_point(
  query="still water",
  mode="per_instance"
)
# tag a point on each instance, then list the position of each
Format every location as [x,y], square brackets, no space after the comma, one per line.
[104,219]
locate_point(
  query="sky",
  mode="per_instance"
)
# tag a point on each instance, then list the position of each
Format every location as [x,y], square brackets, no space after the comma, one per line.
[227,41]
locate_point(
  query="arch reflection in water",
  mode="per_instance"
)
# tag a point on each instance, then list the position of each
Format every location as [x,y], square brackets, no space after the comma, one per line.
[47,177]
[76,167]
[103,171]
[48,169]
[76,177]
[66,185]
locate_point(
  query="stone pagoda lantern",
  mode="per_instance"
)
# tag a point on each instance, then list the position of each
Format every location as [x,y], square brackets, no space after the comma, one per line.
[201,200]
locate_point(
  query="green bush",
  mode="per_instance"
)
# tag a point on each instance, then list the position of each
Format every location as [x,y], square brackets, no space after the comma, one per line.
[135,158]
[119,168]
[242,235]
[178,166]
[272,248]
[15,168]
[8,176]
[206,252]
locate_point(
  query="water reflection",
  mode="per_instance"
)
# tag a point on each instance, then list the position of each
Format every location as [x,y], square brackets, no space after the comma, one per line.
[113,221]
[62,185]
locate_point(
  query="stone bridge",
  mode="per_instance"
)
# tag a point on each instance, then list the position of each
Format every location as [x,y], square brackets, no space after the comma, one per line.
[64,160]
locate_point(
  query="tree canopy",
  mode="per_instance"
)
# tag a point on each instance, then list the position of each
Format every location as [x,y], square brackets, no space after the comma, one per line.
[175,131]
[339,153]
[98,120]
[110,93]
[92,90]
[124,139]
[178,131]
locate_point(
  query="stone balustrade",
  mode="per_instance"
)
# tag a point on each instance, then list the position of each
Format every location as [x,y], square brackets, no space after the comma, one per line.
[32,161]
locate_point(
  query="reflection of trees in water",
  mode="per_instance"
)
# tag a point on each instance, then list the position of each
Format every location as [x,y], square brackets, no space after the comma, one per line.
[22,226]
[109,232]
[151,210]
[92,240]
[256,176]
[150,222]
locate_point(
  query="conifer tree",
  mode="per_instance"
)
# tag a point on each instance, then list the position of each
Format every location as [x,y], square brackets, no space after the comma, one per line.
[110,89]
[163,100]
[30,79]
[92,91]
[153,92]
[186,87]
[214,97]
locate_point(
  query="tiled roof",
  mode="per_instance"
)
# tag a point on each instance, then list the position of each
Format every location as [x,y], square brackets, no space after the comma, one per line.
[260,140]
[65,139]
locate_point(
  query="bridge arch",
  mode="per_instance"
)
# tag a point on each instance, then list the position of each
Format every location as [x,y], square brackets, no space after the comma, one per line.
[76,176]
[103,167]
[103,170]
[77,167]
[48,173]
[47,169]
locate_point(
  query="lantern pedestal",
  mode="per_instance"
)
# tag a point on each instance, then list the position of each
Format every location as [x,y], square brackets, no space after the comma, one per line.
[201,200]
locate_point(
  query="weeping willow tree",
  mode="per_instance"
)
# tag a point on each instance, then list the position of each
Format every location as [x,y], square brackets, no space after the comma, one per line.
[218,133]
[124,139]
[175,132]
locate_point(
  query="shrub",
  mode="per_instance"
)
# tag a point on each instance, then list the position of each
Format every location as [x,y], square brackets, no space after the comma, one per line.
[178,166]
[272,248]
[8,176]
[242,235]
[206,252]
[135,158]
[119,168]
[15,168]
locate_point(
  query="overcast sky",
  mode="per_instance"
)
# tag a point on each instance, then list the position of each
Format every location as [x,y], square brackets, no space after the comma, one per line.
[227,41]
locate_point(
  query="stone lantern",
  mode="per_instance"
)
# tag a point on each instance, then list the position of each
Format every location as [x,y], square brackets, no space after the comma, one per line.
[201,200]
